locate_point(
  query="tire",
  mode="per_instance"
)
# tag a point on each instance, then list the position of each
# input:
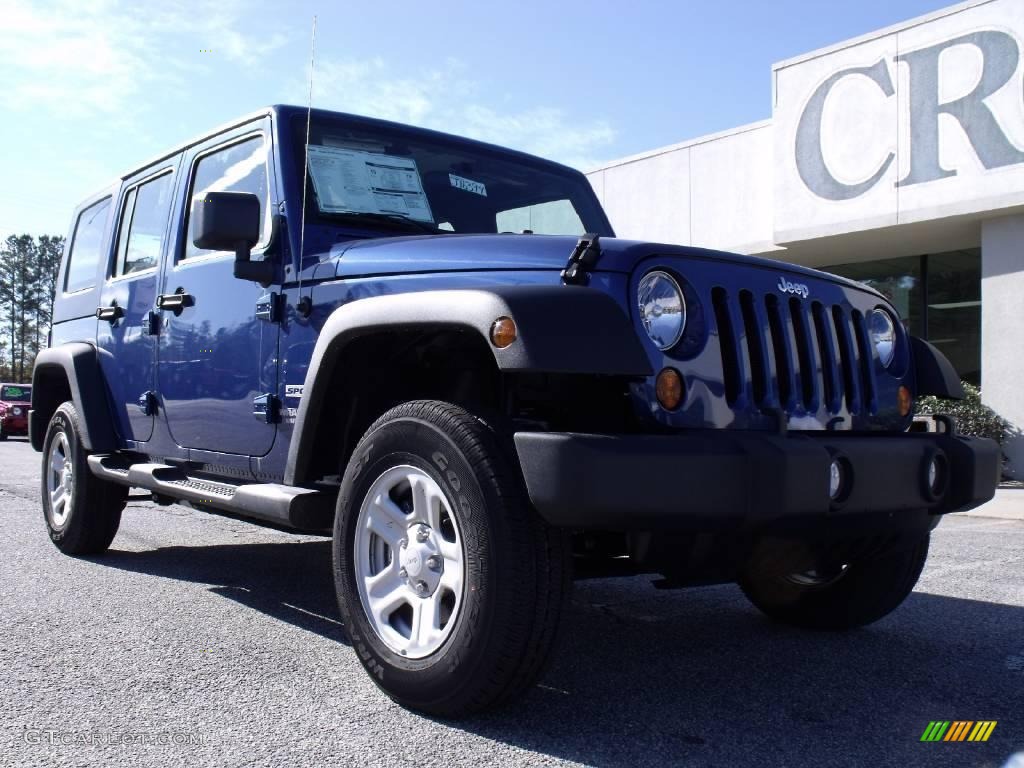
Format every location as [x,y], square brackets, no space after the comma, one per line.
[846,597]
[495,612]
[82,512]
[3,435]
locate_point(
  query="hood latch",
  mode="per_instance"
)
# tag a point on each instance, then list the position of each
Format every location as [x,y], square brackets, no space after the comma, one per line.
[583,259]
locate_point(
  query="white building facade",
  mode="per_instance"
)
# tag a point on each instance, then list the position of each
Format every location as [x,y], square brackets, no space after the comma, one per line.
[896,159]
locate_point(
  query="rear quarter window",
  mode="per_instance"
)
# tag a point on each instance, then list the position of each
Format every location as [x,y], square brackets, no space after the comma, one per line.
[86,242]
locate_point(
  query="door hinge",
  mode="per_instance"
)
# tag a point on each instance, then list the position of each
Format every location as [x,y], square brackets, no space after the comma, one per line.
[147,403]
[268,307]
[267,408]
[151,325]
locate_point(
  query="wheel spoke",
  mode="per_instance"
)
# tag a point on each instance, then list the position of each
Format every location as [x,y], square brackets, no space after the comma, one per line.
[385,519]
[383,505]
[451,551]
[452,579]
[426,621]
[421,500]
[56,463]
[389,595]
[385,582]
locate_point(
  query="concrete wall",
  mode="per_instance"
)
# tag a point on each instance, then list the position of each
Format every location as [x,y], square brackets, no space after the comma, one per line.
[1002,348]
[919,122]
[715,192]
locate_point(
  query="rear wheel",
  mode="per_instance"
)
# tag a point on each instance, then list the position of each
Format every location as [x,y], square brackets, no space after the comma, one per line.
[839,595]
[449,583]
[81,511]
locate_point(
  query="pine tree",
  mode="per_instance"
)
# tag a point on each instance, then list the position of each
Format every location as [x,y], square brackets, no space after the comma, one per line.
[28,274]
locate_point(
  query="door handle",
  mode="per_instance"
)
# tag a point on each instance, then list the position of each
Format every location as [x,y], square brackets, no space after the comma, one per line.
[175,302]
[111,314]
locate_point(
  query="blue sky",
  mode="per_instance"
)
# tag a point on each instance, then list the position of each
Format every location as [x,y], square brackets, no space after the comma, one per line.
[90,88]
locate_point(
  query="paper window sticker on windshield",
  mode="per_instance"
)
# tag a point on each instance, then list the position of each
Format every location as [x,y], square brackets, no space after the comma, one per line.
[349,181]
[468,185]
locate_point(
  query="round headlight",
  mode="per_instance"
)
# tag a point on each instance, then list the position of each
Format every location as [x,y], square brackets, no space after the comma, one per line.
[882,330]
[662,308]
[16,411]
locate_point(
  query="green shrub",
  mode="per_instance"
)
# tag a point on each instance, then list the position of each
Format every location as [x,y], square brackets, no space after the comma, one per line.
[972,416]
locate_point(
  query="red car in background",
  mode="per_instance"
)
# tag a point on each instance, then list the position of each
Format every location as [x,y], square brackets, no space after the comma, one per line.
[15,400]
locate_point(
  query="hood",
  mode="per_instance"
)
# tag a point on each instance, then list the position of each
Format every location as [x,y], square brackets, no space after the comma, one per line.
[464,253]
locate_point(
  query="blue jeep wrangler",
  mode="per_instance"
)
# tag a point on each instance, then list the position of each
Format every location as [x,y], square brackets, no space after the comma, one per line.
[437,352]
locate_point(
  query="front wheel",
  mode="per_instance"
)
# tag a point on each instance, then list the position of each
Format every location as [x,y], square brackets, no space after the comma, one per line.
[838,595]
[449,583]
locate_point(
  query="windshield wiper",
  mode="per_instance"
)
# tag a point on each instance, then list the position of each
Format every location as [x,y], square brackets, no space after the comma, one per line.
[393,218]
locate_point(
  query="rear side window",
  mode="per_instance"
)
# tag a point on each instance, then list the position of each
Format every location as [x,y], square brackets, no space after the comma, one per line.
[84,258]
[240,167]
[143,223]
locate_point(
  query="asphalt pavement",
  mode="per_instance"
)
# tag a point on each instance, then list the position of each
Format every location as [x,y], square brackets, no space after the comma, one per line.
[199,640]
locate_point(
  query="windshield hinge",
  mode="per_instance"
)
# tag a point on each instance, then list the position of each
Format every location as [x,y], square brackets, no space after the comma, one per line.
[583,259]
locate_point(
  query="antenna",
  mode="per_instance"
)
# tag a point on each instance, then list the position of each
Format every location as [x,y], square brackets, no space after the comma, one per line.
[304,306]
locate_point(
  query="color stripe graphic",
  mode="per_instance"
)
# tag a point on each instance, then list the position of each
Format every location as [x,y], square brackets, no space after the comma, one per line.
[959,730]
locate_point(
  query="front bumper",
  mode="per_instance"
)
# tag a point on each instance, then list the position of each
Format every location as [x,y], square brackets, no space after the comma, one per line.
[710,479]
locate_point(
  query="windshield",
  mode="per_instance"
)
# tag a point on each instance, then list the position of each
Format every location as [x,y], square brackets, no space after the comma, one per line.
[11,392]
[380,177]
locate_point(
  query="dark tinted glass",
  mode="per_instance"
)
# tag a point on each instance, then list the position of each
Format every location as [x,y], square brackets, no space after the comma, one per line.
[143,224]
[85,247]
[954,310]
[942,303]
[239,167]
[899,280]
[361,175]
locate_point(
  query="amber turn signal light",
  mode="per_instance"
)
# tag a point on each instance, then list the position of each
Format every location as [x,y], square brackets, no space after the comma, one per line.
[904,401]
[669,388]
[503,332]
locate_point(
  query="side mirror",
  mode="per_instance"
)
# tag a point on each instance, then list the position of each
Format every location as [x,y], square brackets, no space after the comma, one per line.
[230,221]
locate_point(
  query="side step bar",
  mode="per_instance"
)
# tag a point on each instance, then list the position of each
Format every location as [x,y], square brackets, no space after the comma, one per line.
[300,508]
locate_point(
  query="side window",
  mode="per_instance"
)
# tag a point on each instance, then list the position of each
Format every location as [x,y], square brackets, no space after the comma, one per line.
[239,167]
[84,258]
[143,223]
[557,217]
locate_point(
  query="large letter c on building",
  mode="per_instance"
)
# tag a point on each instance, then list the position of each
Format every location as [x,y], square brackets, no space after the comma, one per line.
[810,162]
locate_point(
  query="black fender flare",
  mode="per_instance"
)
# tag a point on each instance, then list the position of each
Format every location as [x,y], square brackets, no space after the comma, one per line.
[561,329]
[933,372]
[79,363]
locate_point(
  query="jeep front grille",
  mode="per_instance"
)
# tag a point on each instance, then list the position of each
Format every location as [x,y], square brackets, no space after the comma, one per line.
[794,354]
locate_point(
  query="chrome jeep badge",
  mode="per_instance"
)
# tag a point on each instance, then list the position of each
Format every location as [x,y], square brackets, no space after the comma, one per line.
[798,288]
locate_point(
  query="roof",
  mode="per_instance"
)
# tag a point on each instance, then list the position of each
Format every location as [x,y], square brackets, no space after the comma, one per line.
[284,111]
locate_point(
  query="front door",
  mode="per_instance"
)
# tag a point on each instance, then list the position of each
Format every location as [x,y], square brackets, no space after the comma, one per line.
[125,333]
[216,357]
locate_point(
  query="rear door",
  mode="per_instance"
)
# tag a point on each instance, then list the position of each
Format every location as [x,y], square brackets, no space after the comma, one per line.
[216,357]
[126,328]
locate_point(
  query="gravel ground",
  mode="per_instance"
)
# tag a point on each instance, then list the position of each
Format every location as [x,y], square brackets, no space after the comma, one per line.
[225,638]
